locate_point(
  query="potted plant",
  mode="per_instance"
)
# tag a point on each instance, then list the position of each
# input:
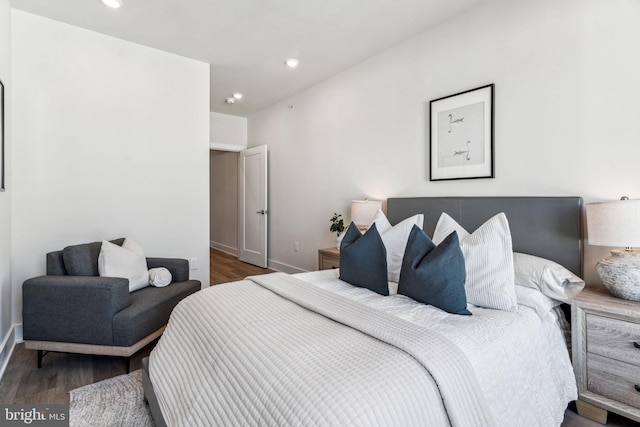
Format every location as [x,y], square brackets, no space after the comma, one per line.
[337,226]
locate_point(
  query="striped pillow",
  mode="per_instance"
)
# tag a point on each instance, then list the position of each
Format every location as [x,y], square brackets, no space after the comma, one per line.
[488,256]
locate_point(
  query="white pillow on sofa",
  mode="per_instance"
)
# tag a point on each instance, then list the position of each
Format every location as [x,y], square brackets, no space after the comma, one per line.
[125,261]
[549,277]
[488,257]
[395,240]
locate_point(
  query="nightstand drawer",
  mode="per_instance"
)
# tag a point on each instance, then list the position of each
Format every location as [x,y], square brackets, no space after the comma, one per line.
[329,262]
[613,379]
[328,258]
[613,338]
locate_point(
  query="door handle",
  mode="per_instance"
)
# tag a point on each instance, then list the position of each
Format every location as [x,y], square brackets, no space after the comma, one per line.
[262,212]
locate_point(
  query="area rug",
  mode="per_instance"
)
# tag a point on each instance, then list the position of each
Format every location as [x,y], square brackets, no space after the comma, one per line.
[114,402]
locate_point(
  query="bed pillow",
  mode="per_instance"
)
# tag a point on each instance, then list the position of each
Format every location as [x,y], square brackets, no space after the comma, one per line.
[433,274]
[127,261]
[549,277]
[488,256]
[542,304]
[363,260]
[395,240]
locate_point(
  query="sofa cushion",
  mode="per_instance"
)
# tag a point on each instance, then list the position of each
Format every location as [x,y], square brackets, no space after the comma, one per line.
[55,264]
[149,310]
[82,260]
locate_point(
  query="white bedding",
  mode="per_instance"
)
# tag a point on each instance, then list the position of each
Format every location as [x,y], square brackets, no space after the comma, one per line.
[521,361]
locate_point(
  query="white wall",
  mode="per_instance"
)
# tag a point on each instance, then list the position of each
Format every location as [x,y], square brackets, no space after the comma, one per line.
[566,75]
[111,140]
[227,132]
[6,330]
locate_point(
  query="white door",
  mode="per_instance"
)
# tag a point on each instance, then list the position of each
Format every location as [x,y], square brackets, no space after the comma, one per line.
[252,195]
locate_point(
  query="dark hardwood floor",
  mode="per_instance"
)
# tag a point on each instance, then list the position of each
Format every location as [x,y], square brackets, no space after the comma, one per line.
[23,382]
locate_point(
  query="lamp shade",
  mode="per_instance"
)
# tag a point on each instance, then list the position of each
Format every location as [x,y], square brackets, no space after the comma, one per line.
[614,223]
[363,211]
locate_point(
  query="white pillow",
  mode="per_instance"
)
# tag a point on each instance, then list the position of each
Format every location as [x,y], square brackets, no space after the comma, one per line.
[541,303]
[133,246]
[549,277]
[395,240]
[127,261]
[488,257]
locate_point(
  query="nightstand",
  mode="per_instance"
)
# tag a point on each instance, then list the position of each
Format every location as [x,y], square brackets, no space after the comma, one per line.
[605,334]
[328,258]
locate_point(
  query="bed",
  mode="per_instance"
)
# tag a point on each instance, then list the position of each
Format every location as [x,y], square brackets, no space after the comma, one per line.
[310,349]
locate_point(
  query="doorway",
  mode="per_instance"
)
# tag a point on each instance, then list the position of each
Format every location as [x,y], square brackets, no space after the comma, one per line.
[223,201]
[238,203]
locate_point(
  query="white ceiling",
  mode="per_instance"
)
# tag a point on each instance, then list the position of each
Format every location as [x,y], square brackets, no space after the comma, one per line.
[247,41]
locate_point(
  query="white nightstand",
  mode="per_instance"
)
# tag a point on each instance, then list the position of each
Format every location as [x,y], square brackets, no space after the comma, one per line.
[606,354]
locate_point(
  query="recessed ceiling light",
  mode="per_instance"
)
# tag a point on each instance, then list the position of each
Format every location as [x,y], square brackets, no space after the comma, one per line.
[113,3]
[292,62]
[230,101]
[237,95]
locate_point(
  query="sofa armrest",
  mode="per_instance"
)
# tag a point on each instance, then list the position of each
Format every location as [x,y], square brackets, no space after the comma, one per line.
[178,267]
[77,309]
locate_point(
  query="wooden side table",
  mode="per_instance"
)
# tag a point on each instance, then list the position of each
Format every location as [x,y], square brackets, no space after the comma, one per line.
[605,334]
[328,258]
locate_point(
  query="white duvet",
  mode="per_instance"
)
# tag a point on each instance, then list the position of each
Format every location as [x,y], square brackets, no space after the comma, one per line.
[522,369]
[521,361]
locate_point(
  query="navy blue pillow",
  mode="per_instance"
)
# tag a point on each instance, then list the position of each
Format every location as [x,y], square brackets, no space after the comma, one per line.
[434,274]
[363,259]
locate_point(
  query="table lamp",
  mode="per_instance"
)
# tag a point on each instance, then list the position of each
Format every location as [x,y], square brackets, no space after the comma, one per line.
[363,212]
[617,224]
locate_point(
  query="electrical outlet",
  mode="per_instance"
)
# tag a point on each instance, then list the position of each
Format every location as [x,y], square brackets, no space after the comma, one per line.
[193,263]
[296,246]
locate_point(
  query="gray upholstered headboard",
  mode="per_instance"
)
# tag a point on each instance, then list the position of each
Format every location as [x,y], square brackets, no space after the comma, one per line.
[548,227]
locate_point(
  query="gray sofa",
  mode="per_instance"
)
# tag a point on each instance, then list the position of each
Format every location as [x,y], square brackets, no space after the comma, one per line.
[72,309]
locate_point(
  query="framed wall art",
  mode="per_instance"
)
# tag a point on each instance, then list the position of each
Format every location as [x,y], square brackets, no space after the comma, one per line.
[461,135]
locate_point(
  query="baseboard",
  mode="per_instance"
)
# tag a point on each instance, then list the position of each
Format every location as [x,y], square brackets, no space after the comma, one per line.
[285,268]
[8,344]
[224,248]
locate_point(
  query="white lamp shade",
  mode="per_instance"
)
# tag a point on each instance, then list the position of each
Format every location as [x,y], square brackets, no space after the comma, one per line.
[363,211]
[614,223]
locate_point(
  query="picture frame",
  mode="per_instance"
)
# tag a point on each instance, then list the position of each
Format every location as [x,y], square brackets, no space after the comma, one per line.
[2,117]
[461,135]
